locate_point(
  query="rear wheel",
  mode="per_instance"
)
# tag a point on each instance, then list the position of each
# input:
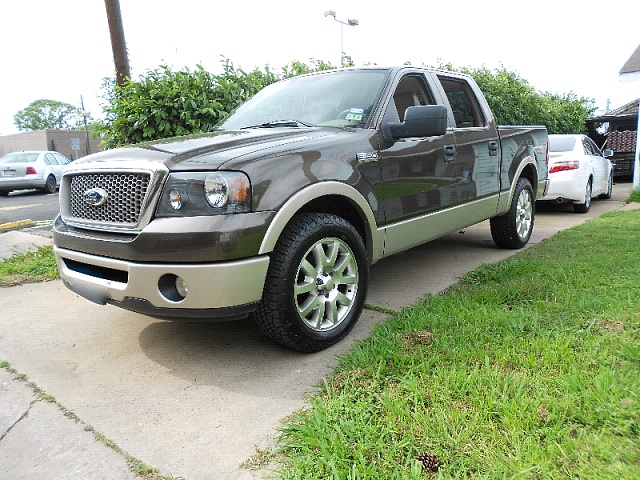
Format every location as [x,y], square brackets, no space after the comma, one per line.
[50,186]
[584,207]
[316,283]
[513,229]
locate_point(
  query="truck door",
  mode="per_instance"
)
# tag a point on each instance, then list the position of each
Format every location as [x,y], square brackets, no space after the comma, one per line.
[416,177]
[477,146]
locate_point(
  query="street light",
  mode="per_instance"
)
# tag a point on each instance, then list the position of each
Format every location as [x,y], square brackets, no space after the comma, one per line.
[352,22]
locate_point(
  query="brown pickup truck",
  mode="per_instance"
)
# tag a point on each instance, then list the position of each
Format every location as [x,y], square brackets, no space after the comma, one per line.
[282,208]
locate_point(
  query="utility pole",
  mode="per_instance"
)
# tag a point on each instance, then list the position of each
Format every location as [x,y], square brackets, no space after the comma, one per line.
[118,44]
[86,127]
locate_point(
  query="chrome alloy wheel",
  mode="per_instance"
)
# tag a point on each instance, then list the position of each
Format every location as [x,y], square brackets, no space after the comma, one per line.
[524,214]
[326,284]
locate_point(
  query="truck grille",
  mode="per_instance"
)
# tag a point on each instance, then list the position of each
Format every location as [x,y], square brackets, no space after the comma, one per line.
[125,196]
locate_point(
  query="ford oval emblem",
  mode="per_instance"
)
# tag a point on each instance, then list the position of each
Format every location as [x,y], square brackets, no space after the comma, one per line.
[95,197]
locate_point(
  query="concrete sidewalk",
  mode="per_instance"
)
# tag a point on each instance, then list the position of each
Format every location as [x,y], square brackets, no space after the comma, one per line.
[193,400]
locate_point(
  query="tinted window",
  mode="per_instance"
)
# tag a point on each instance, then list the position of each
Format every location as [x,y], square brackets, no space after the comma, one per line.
[561,144]
[466,110]
[410,92]
[593,148]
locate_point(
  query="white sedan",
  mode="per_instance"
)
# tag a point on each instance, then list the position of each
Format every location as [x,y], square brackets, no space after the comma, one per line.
[578,171]
[20,170]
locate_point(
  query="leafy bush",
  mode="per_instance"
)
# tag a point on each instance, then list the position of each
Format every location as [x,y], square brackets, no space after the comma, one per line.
[165,103]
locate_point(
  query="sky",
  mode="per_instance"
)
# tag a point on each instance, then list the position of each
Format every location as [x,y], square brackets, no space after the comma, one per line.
[61,49]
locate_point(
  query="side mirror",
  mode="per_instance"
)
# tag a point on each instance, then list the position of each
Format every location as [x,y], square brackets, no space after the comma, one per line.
[607,152]
[419,121]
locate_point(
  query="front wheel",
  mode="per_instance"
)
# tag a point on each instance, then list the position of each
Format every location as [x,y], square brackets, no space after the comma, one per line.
[513,229]
[316,283]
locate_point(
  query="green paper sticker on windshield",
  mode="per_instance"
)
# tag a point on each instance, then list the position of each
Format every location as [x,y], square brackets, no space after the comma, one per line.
[355,114]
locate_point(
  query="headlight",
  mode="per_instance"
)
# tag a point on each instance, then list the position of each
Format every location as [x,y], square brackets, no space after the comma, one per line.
[205,193]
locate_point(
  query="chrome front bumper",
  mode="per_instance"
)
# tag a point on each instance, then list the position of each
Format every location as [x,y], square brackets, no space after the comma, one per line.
[221,285]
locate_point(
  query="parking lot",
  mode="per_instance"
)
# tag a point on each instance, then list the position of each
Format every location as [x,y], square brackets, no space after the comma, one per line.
[191,399]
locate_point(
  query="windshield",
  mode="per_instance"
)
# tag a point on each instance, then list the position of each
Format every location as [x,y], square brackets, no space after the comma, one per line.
[19,158]
[561,144]
[335,98]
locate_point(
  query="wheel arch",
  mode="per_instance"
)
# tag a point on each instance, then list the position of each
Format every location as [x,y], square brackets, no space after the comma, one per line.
[528,169]
[328,197]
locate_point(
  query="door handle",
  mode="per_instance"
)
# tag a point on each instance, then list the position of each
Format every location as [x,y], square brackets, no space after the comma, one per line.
[449,153]
[493,148]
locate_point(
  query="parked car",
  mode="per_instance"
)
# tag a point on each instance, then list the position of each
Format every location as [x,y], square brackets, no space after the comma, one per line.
[26,170]
[578,171]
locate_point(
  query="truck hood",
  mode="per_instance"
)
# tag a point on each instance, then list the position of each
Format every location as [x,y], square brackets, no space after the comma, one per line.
[212,150]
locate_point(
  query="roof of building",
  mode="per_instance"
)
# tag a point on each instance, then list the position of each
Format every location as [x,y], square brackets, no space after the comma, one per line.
[633,64]
[628,110]
[622,141]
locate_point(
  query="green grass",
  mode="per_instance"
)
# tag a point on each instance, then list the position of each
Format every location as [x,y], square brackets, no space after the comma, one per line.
[529,368]
[634,196]
[37,266]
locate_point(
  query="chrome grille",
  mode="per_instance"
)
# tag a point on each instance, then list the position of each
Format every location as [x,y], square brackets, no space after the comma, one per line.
[125,196]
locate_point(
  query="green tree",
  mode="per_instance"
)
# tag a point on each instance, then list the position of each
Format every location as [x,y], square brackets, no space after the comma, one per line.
[48,114]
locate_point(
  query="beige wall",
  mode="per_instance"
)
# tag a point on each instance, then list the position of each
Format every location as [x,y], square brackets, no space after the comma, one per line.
[58,140]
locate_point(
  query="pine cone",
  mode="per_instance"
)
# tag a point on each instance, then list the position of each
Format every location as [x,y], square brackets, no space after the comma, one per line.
[430,462]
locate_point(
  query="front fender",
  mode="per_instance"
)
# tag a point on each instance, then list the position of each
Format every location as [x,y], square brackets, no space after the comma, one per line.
[375,236]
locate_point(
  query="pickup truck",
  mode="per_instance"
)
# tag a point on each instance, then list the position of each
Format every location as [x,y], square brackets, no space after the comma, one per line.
[280,211]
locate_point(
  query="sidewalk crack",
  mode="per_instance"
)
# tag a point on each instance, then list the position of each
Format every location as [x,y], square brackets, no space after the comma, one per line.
[22,417]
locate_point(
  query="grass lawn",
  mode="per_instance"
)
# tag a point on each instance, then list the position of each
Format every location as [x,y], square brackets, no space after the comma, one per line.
[31,267]
[529,368]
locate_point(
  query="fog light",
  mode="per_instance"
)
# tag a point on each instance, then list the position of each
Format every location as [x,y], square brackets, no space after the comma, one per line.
[181,287]
[172,287]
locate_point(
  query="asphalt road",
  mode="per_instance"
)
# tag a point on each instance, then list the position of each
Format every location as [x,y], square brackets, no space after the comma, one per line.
[196,400]
[29,205]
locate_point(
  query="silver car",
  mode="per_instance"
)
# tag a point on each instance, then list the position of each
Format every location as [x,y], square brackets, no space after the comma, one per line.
[26,170]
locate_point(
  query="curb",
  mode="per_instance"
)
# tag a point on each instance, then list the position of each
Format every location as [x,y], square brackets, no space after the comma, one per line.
[5,227]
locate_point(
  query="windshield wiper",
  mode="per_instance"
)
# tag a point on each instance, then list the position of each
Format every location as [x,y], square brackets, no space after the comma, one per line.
[281,123]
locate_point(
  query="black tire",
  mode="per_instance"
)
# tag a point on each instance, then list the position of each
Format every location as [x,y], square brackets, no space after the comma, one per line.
[4,193]
[50,186]
[607,196]
[513,229]
[323,257]
[584,207]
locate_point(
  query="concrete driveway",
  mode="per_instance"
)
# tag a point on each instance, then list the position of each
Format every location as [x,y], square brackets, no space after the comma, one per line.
[193,400]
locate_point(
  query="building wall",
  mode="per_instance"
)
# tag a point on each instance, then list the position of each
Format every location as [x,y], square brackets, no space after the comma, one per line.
[61,141]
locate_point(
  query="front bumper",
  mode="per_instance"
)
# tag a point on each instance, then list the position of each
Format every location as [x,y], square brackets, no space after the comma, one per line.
[221,289]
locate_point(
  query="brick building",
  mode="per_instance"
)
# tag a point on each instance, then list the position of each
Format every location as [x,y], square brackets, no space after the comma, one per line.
[71,143]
